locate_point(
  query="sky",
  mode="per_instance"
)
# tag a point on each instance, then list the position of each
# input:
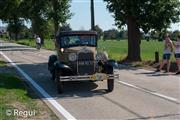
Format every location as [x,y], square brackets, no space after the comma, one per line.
[81,18]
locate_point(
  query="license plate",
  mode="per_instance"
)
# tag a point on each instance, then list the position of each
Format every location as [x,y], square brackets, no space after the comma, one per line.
[99,76]
[85,62]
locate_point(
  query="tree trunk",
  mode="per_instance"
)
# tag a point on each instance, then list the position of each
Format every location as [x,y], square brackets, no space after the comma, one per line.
[34,26]
[133,40]
[16,27]
[56,26]
[55,20]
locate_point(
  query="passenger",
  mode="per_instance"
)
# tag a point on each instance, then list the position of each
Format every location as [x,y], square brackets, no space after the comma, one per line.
[177,53]
[168,48]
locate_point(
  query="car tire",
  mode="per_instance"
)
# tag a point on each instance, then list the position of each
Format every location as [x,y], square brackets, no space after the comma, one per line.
[110,82]
[51,68]
[53,75]
[58,82]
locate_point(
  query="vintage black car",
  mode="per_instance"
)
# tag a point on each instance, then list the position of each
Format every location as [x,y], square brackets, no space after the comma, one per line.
[77,59]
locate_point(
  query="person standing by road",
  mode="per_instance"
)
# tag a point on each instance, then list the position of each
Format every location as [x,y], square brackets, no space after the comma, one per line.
[177,53]
[168,48]
[38,42]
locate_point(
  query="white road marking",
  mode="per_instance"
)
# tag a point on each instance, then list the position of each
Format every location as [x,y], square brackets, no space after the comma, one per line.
[152,93]
[52,101]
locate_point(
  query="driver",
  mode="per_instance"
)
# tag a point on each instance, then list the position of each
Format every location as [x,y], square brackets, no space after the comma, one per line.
[84,40]
[66,41]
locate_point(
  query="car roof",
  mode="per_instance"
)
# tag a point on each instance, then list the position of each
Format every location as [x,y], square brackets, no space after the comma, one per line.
[64,33]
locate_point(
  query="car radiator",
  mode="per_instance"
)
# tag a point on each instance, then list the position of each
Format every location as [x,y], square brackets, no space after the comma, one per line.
[85,63]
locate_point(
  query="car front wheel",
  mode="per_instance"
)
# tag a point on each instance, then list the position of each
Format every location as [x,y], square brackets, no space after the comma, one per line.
[110,82]
[58,82]
[110,85]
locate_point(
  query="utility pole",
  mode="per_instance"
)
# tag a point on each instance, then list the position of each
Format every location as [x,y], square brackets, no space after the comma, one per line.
[92,15]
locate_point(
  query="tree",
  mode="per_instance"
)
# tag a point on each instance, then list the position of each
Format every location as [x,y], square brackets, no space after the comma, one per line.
[99,31]
[111,34]
[175,34]
[123,34]
[37,11]
[40,13]
[65,27]
[60,12]
[14,27]
[10,13]
[145,15]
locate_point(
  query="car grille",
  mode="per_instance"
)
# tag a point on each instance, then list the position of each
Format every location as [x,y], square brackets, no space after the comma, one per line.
[85,63]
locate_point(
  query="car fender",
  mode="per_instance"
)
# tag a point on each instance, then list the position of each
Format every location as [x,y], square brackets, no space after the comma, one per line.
[66,70]
[51,61]
[113,63]
[108,68]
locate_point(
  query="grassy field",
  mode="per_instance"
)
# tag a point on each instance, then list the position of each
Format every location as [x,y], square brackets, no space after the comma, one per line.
[116,49]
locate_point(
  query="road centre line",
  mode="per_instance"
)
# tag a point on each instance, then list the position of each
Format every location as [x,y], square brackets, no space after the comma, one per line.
[49,98]
[150,92]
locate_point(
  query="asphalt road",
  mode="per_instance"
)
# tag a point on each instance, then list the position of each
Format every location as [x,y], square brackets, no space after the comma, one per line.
[138,94]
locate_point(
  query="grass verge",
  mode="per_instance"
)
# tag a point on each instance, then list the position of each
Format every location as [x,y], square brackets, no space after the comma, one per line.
[48,43]
[15,96]
[2,63]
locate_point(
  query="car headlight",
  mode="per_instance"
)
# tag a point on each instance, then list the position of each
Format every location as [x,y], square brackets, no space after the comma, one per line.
[62,50]
[72,57]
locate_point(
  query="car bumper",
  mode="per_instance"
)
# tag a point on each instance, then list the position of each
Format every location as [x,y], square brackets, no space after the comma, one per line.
[94,77]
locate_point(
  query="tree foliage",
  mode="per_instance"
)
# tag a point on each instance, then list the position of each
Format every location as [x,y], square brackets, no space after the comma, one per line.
[149,14]
[9,9]
[59,12]
[65,27]
[41,14]
[99,31]
[111,34]
[145,15]
[37,13]
[10,13]
[14,27]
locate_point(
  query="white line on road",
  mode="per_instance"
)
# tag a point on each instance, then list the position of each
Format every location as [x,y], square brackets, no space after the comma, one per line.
[52,101]
[152,93]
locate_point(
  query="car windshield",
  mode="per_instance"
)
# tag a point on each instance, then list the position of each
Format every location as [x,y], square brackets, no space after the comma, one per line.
[77,40]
